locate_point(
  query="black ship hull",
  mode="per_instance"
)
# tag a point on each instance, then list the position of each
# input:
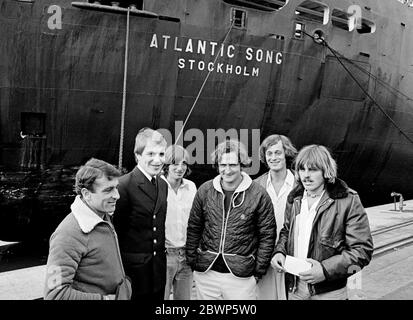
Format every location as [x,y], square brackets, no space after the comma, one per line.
[62,91]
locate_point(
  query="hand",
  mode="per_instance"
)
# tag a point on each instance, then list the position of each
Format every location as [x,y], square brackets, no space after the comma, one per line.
[315,274]
[124,290]
[278,261]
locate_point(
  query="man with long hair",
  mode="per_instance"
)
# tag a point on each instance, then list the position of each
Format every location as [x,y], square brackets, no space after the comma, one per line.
[181,193]
[277,153]
[325,224]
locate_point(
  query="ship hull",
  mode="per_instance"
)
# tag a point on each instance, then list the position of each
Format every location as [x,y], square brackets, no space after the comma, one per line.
[62,91]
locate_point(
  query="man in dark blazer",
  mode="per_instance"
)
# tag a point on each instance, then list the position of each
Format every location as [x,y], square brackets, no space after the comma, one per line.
[140,215]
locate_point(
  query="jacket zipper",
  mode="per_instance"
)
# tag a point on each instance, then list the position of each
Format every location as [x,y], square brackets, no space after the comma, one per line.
[311,289]
[118,249]
[294,289]
[224,228]
[291,236]
[226,224]
[221,240]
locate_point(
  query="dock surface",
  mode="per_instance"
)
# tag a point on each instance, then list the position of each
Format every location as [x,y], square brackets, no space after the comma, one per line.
[384,216]
[23,284]
[389,276]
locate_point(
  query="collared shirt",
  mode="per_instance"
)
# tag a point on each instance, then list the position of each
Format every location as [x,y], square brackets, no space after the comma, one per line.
[279,201]
[304,222]
[177,213]
[148,176]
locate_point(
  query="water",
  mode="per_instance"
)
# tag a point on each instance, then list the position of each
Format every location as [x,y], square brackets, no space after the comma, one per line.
[23,255]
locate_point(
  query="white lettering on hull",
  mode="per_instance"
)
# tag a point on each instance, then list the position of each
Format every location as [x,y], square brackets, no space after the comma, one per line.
[201,51]
[219,67]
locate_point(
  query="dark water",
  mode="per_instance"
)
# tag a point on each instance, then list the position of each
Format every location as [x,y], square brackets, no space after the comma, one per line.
[23,255]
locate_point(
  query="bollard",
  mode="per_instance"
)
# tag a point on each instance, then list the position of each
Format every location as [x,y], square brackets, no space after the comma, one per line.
[394,195]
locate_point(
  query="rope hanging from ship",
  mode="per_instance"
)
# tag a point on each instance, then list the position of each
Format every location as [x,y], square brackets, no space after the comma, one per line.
[382,82]
[203,84]
[321,40]
[125,75]
[122,129]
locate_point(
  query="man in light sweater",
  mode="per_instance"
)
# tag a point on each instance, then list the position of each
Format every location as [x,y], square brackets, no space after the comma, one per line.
[84,261]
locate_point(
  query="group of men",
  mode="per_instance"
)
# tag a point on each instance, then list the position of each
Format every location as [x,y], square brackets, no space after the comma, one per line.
[127,237]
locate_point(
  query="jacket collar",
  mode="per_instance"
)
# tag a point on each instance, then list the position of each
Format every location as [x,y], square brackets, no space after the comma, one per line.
[244,185]
[147,175]
[336,190]
[142,177]
[85,217]
[142,183]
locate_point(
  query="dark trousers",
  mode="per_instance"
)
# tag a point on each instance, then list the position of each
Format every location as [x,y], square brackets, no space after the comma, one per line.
[153,296]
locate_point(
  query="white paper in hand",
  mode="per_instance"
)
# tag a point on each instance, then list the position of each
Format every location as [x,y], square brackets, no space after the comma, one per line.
[295,265]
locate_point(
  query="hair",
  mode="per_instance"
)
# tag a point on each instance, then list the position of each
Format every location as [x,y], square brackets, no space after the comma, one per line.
[92,170]
[174,154]
[316,156]
[289,149]
[229,146]
[144,135]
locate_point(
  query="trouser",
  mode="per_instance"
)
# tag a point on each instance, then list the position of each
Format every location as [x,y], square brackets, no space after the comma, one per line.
[303,293]
[178,275]
[153,296]
[272,286]
[213,285]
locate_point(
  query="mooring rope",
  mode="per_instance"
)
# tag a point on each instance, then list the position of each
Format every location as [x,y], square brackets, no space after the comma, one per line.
[203,84]
[323,42]
[125,75]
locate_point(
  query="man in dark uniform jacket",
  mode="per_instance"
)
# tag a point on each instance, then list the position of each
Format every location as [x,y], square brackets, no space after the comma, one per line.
[140,215]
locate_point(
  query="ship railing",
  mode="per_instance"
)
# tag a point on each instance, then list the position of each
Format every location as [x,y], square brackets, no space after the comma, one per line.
[266,5]
[114,8]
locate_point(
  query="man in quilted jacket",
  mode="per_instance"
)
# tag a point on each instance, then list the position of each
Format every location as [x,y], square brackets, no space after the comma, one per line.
[231,229]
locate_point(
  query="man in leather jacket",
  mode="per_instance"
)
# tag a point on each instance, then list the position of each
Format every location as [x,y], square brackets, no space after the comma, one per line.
[326,224]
